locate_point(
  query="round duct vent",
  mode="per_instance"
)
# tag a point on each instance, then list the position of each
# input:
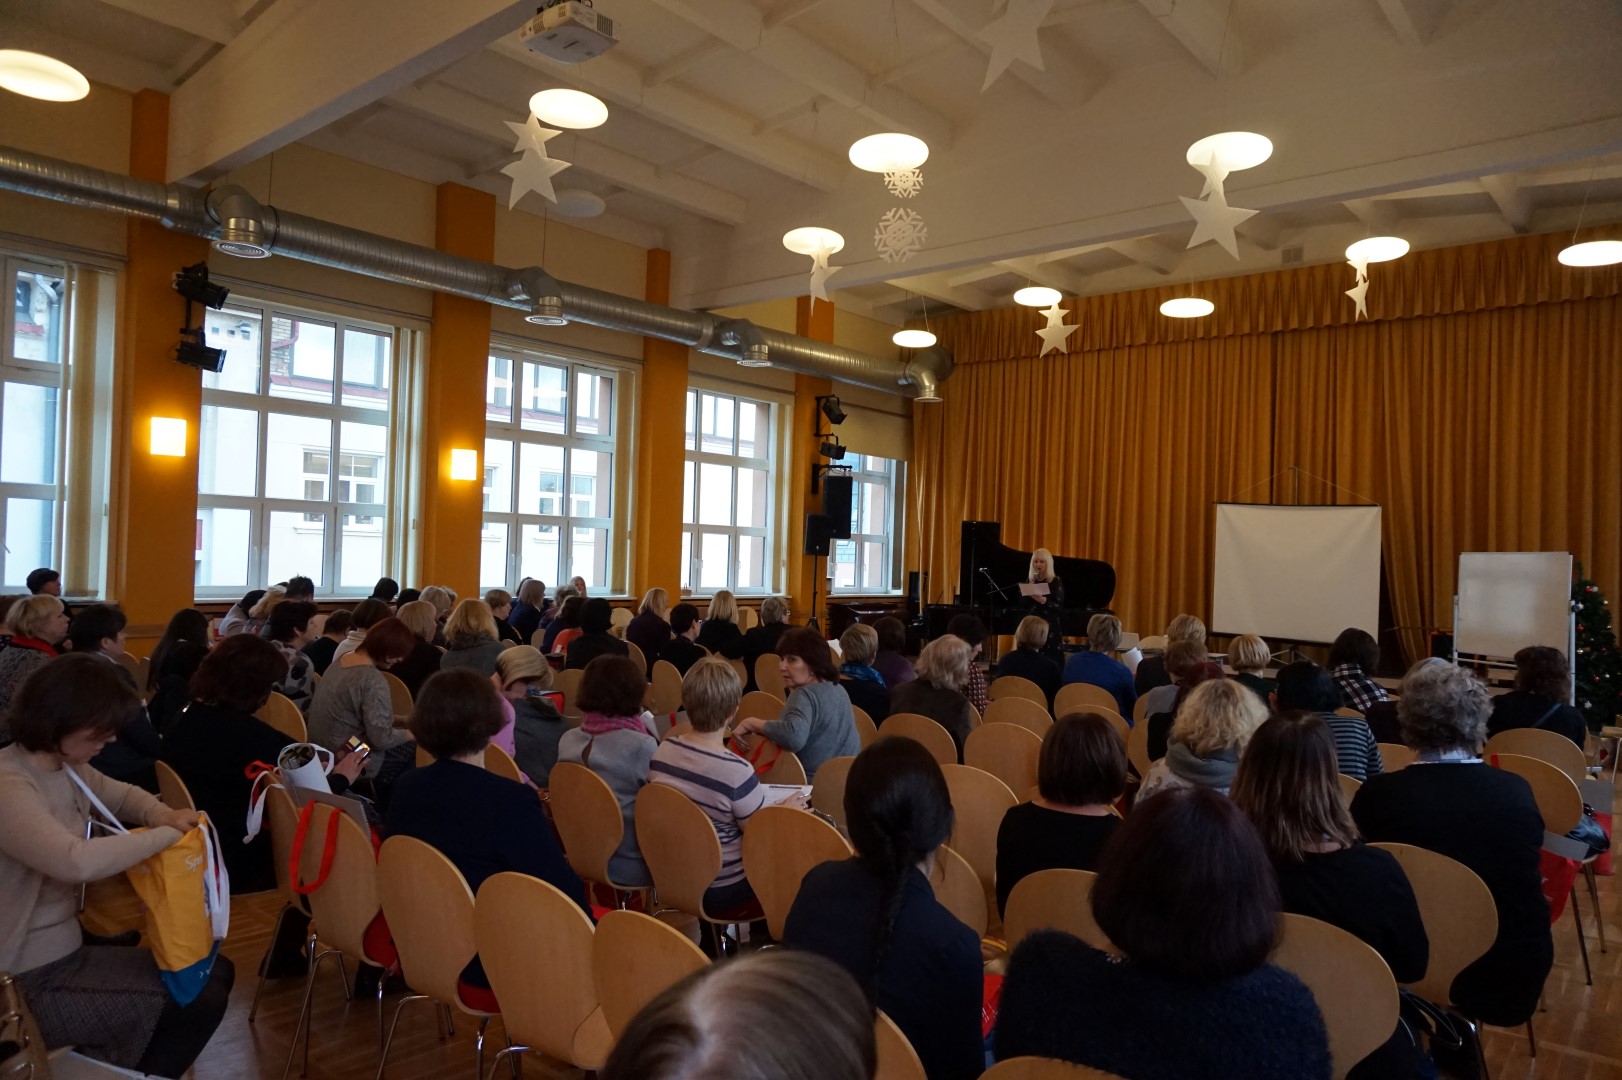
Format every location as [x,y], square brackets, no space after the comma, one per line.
[579,203]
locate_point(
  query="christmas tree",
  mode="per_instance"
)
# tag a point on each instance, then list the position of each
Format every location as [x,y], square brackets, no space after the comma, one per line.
[1599,664]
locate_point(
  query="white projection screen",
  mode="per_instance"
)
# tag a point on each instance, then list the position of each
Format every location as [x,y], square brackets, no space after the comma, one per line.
[1296,573]
[1511,599]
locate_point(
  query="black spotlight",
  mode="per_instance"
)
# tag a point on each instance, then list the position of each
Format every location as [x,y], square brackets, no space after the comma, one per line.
[832,449]
[192,283]
[192,351]
[831,409]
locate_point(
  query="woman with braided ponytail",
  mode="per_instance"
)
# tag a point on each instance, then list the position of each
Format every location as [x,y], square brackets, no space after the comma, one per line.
[876,915]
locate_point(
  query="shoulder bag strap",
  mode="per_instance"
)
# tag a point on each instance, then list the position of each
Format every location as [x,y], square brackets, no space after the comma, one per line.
[108,818]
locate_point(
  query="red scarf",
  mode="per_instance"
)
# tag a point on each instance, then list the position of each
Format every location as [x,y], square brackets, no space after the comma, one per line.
[601,724]
[34,643]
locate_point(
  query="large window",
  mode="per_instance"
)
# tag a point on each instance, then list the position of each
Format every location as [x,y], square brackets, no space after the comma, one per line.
[866,562]
[548,470]
[30,417]
[293,469]
[726,507]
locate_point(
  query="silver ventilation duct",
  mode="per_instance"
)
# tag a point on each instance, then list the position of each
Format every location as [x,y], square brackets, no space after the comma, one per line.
[238,225]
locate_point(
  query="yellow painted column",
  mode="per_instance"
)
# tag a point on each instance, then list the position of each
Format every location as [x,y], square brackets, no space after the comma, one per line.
[451,513]
[154,527]
[815,321]
[660,450]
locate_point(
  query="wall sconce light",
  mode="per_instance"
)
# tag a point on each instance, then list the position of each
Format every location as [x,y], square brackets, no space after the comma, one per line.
[464,464]
[168,436]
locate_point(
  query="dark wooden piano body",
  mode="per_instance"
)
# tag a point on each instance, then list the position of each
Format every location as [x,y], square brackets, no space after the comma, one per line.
[1089,584]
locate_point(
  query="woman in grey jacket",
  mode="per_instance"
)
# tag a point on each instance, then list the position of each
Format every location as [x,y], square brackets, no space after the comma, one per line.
[615,740]
[471,638]
[817,722]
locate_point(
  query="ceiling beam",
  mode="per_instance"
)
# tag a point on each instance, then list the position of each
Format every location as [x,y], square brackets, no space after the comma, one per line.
[305,63]
[694,114]
[210,20]
[1377,214]
[1050,273]
[939,287]
[1148,251]
[1064,82]
[684,60]
[1262,230]
[691,157]
[190,60]
[115,67]
[974,274]
[1414,20]
[788,115]
[788,12]
[813,65]
[1203,28]
[1510,197]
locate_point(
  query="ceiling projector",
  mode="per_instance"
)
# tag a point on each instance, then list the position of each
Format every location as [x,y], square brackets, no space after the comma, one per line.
[569,31]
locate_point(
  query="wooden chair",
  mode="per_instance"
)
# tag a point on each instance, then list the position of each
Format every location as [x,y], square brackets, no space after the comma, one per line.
[635,652]
[423,758]
[1054,899]
[172,789]
[866,729]
[1343,711]
[1140,709]
[785,769]
[498,761]
[589,820]
[1557,750]
[132,664]
[1137,749]
[1007,751]
[979,800]
[538,948]
[567,683]
[399,697]
[1075,696]
[538,640]
[281,818]
[280,713]
[1349,786]
[769,677]
[1395,756]
[780,846]
[430,913]
[1035,1068]
[683,728]
[741,668]
[619,619]
[759,704]
[665,691]
[1013,686]
[1350,982]
[748,618]
[1021,711]
[1458,911]
[636,959]
[683,853]
[828,793]
[936,739]
[897,1060]
[958,889]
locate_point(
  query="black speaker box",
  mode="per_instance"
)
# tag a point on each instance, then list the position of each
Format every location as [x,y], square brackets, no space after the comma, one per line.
[818,534]
[836,505]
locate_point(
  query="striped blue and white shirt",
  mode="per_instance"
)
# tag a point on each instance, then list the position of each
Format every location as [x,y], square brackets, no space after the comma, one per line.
[723,785]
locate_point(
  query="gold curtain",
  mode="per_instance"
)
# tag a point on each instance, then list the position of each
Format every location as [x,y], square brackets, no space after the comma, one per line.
[1482,410]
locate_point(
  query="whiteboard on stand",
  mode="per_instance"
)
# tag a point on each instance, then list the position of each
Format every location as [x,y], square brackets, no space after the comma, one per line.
[1511,599]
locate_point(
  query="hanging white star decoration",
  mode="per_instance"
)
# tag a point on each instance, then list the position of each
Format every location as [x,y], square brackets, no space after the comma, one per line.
[533,171]
[1055,334]
[820,273]
[1213,218]
[1360,296]
[1013,36]
[901,233]
[904,184]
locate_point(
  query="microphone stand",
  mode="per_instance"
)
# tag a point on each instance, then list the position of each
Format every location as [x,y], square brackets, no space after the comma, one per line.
[991,611]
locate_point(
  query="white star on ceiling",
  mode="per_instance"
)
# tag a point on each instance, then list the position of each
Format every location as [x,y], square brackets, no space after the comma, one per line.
[1215,173]
[1055,333]
[1361,266]
[1360,294]
[531,135]
[820,273]
[1013,37]
[1215,220]
[533,172]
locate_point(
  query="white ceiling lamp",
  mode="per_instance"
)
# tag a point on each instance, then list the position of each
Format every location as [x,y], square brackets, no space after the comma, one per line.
[889,152]
[579,203]
[1376,249]
[565,108]
[37,76]
[1187,307]
[914,339]
[1592,253]
[1231,151]
[1037,296]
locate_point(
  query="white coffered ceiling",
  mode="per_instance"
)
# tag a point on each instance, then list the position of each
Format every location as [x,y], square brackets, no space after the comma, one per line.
[1446,121]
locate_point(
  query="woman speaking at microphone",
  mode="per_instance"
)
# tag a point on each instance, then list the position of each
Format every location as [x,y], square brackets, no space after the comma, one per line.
[1051,605]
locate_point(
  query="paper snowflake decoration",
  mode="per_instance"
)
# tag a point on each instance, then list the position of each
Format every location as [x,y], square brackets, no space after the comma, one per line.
[900,235]
[904,184]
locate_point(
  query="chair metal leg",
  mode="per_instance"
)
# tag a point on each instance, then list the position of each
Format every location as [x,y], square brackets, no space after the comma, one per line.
[382,977]
[1593,893]
[1582,938]
[383,1057]
[343,976]
[511,1054]
[1532,1037]
[450,1023]
[478,1049]
[304,1018]
[264,962]
[1481,1051]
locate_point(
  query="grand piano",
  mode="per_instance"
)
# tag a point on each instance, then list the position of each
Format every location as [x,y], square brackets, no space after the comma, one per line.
[989,574]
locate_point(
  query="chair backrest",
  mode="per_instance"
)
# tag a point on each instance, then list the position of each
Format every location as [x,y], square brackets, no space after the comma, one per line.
[347,902]
[538,639]
[759,704]
[936,739]
[1080,695]
[567,683]
[537,947]
[786,768]
[666,691]
[780,846]
[620,618]
[1035,1068]
[1549,746]
[1349,786]
[740,667]
[636,959]
[1395,756]
[280,713]
[1007,751]
[683,728]
[1350,982]
[1054,899]
[979,801]
[281,818]
[430,913]
[1030,715]
[1137,749]
[1458,911]
[132,664]
[828,793]
[423,758]
[958,889]
[768,676]
[1015,686]
[866,729]
[588,818]
[1140,709]
[498,761]
[635,652]
[399,697]
[1344,711]
[172,789]
[748,618]
[1558,799]
[897,1060]
[679,844]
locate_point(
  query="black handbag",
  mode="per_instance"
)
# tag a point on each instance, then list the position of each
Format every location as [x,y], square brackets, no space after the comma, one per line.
[1452,1042]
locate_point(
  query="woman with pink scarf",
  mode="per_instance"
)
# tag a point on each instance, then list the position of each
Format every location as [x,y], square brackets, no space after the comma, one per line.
[615,741]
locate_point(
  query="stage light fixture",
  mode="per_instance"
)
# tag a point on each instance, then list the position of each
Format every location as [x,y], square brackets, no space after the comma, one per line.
[192,352]
[830,407]
[833,449]
[192,283]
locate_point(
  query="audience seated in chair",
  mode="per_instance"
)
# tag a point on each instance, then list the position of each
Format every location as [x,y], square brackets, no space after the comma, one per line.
[522,677]
[425,658]
[1094,665]
[1152,669]
[38,624]
[1352,660]
[1207,737]
[179,651]
[650,630]
[937,692]
[891,659]
[680,651]
[566,626]
[367,614]
[353,701]
[972,631]
[386,590]
[816,723]
[1159,723]
[1029,661]
[1542,688]
[1182,659]
[472,639]
[334,629]
[596,617]
[291,627]
[236,616]
[1305,686]
[1249,656]
[616,741]
[98,630]
[720,627]
[527,612]
[759,640]
[863,683]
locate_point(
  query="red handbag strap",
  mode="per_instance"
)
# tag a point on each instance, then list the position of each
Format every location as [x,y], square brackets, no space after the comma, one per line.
[753,756]
[328,850]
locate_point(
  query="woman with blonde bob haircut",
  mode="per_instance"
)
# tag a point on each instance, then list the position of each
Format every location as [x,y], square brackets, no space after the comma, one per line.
[650,630]
[937,692]
[1049,608]
[1249,656]
[863,684]
[720,627]
[471,638]
[1210,732]
[1028,660]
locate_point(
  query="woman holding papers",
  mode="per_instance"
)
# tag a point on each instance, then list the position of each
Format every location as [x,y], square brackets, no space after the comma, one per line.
[1043,594]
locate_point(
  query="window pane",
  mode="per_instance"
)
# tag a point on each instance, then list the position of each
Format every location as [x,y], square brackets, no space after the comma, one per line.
[751,427]
[493,556]
[875,508]
[498,391]
[298,458]
[224,538]
[687,494]
[298,544]
[593,404]
[844,560]
[874,565]
[37,318]
[715,494]
[28,435]
[540,482]
[589,476]
[30,530]
[498,478]
[588,555]
[715,424]
[714,552]
[228,453]
[360,551]
[538,552]
[240,333]
[751,562]
[367,360]
[546,398]
[692,423]
[301,355]
[362,464]
[686,560]
[752,498]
